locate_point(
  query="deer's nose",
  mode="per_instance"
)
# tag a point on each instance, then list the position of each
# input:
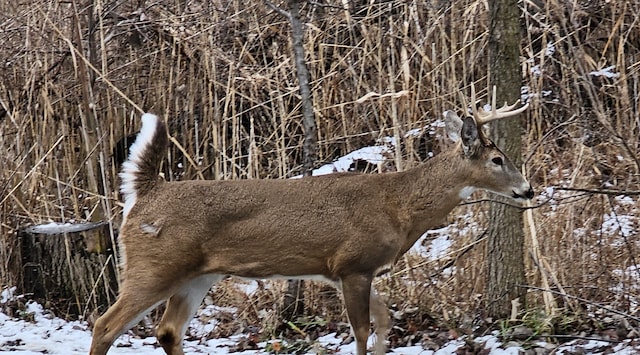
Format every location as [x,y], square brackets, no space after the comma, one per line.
[529,194]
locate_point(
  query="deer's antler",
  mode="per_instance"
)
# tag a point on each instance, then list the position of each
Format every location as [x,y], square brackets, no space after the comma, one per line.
[482,117]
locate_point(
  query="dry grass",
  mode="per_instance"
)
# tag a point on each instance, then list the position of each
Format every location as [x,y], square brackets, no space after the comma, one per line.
[221,74]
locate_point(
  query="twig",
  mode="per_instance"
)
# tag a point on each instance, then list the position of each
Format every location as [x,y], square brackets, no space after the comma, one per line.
[601,191]
[277,9]
[577,337]
[507,203]
[582,300]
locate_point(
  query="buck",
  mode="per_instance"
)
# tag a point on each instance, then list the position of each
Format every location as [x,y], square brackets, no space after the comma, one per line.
[179,238]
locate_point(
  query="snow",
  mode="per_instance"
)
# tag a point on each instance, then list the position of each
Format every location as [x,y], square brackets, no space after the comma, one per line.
[438,246]
[614,224]
[550,50]
[373,155]
[7,294]
[606,72]
[376,154]
[46,334]
[535,70]
[491,342]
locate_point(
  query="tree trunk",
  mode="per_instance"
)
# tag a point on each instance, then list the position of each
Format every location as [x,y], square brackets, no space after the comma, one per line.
[293,304]
[505,253]
[308,117]
[59,269]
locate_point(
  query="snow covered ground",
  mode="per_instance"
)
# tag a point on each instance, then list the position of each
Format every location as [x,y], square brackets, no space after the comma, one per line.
[41,333]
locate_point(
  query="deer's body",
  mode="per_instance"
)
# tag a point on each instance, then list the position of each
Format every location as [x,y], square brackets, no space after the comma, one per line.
[178,238]
[232,219]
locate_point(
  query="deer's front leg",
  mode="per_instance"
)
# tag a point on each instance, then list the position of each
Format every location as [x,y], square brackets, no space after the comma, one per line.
[356,290]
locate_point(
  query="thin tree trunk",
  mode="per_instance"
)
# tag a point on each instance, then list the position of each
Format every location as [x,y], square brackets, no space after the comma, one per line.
[505,251]
[308,118]
[293,304]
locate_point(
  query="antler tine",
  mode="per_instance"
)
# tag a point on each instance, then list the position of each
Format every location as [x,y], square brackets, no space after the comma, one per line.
[477,115]
[506,110]
[473,101]
[463,99]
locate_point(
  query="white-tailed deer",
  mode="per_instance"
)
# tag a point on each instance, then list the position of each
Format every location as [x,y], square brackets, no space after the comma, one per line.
[178,238]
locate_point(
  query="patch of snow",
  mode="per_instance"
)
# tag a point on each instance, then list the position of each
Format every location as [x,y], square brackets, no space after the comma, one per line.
[494,346]
[550,50]
[450,347]
[49,227]
[630,273]
[606,72]
[373,155]
[625,200]
[437,246]
[376,154]
[54,336]
[525,93]
[410,350]
[618,224]
[249,288]
[8,294]
[579,347]
[535,70]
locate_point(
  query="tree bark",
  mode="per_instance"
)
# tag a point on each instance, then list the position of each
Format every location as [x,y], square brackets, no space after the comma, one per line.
[308,118]
[293,304]
[59,269]
[505,249]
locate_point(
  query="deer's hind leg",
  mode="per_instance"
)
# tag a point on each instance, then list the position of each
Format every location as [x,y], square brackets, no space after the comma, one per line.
[145,285]
[181,307]
[380,315]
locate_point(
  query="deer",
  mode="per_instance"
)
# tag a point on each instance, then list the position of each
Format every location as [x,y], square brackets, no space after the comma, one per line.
[177,239]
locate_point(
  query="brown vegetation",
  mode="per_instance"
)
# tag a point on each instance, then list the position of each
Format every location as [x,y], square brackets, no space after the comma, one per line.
[76,77]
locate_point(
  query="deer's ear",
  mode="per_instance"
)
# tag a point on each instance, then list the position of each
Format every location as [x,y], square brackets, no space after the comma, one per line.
[469,132]
[453,125]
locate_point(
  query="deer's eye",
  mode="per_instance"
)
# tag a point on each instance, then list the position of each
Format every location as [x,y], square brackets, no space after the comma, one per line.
[497,161]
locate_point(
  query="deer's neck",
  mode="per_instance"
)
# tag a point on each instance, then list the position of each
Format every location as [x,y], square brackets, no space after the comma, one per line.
[433,190]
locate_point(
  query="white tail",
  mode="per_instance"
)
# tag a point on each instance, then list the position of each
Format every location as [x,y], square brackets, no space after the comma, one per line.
[179,238]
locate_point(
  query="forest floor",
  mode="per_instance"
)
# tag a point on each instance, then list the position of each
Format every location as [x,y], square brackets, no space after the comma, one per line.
[35,330]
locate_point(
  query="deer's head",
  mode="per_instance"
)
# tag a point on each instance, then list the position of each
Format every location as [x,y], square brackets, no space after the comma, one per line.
[489,167]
